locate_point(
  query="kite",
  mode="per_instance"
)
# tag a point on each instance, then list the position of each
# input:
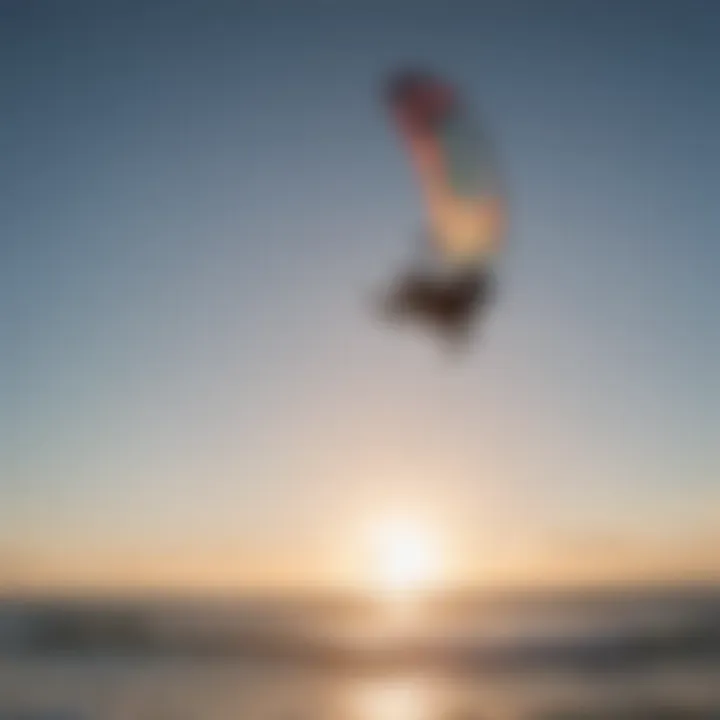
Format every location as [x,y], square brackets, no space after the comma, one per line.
[465,207]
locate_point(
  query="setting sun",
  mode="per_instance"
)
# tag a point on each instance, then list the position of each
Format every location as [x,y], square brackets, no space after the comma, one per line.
[406,558]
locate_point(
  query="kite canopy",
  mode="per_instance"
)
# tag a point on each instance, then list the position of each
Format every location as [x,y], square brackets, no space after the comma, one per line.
[454,165]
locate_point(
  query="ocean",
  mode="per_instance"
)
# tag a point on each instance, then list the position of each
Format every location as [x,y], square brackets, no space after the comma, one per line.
[651,654]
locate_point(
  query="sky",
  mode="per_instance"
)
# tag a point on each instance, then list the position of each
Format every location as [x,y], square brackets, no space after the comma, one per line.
[198,200]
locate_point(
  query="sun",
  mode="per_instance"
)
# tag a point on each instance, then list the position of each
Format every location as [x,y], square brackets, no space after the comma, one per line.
[405,557]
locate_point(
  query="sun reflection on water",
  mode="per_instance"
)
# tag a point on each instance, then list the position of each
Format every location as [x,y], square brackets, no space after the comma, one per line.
[392,699]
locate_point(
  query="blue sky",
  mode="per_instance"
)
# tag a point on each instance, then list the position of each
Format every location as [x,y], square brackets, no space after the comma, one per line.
[197,200]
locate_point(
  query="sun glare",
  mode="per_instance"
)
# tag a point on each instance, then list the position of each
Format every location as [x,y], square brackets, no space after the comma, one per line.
[406,559]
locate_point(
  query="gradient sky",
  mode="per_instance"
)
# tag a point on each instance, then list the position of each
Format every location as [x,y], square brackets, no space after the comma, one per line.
[197,199]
